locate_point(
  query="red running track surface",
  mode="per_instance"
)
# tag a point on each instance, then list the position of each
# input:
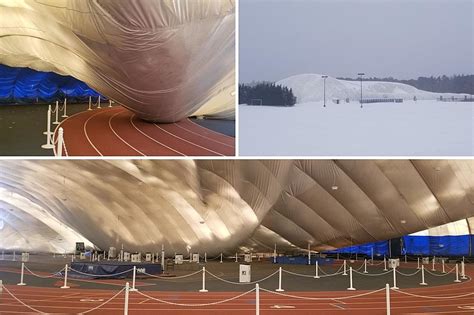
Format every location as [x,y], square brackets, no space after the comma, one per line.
[74,300]
[116,131]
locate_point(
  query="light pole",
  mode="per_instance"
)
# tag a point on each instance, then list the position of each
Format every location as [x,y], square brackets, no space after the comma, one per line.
[324,80]
[360,74]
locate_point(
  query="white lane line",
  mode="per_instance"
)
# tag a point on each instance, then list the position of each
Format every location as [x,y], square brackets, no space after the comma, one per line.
[111,128]
[203,136]
[210,130]
[164,145]
[338,306]
[192,143]
[87,136]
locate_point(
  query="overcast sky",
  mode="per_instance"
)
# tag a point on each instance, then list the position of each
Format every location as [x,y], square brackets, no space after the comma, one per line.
[399,38]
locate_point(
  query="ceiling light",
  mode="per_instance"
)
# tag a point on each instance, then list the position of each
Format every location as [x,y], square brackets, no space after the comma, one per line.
[334,187]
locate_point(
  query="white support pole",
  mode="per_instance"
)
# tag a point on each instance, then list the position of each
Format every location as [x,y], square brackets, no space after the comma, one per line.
[384,264]
[65,106]
[457,274]
[65,286]
[98,101]
[423,276]
[279,281]
[405,258]
[110,103]
[351,287]
[125,306]
[309,254]
[395,279]
[49,144]
[221,259]
[59,150]
[387,298]
[365,266]
[162,257]
[463,273]
[236,257]
[1,288]
[205,257]
[275,254]
[203,280]
[56,112]
[22,274]
[316,270]
[433,268]
[257,298]
[442,266]
[418,266]
[90,103]
[133,289]
[345,268]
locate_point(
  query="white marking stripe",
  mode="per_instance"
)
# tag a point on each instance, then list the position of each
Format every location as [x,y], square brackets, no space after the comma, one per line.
[203,136]
[210,130]
[110,126]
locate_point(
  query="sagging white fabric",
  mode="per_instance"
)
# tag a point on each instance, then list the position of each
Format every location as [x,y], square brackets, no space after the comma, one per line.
[219,206]
[163,59]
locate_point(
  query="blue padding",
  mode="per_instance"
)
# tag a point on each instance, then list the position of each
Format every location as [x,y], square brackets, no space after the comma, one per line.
[24,84]
[437,245]
[301,260]
[113,270]
[380,249]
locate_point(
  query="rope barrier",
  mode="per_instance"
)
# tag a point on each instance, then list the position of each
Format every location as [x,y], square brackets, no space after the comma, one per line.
[196,305]
[241,283]
[372,274]
[21,302]
[103,276]
[170,278]
[99,306]
[310,276]
[322,298]
[52,275]
[409,274]
[436,297]
[440,275]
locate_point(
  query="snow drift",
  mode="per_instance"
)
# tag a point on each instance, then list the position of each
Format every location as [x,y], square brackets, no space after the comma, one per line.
[309,88]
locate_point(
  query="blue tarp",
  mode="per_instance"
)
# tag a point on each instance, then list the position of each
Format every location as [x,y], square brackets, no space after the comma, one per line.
[24,84]
[380,249]
[437,245]
[109,270]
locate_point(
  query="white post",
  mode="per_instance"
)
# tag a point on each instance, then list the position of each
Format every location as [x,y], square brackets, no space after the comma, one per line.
[275,254]
[133,289]
[463,273]
[56,111]
[110,103]
[90,103]
[14,255]
[279,281]
[98,106]
[316,270]
[337,256]
[351,287]
[457,274]
[65,286]
[162,257]
[65,105]
[309,254]
[49,144]
[442,265]
[203,280]
[395,279]
[125,306]
[365,266]
[405,258]
[257,298]
[22,274]
[345,268]
[357,256]
[418,266]
[433,268]
[384,264]
[59,150]
[205,257]
[221,258]
[387,298]
[236,257]
[423,276]
[1,287]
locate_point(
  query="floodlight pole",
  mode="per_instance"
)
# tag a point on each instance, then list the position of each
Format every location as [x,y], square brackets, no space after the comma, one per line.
[324,84]
[360,74]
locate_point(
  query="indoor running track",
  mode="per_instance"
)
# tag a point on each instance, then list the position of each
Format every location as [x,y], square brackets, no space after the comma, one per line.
[55,300]
[116,131]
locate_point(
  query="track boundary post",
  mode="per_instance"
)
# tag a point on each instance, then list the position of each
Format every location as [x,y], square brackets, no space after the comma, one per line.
[316,273]
[65,286]
[345,268]
[65,105]
[257,299]
[203,280]
[442,266]
[395,278]
[90,103]
[279,281]
[59,149]
[423,276]
[49,144]
[221,259]
[463,273]
[110,103]
[365,266]
[418,265]
[1,288]
[125,306]
[22,274]
[351,287]
[433,262]
[205,257]
[387,297]
[98,103]
[133,289]
[56,112]
[384,263]
[236,257]
[457,274]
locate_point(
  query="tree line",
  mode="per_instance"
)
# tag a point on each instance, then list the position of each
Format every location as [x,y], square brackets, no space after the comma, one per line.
[266,93]
[440,84]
